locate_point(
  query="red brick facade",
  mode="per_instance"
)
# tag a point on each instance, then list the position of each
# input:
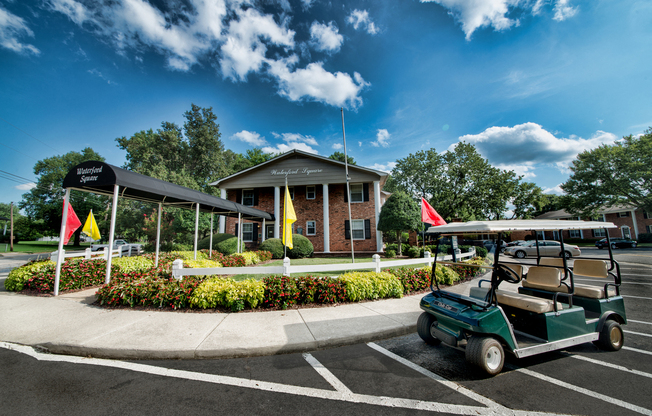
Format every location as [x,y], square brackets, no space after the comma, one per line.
[312,210]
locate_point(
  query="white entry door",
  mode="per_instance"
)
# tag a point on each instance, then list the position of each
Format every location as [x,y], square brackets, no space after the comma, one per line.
[626,232]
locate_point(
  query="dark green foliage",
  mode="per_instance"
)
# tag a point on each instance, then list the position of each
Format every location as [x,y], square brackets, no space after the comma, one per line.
[413,252]
[481,251]
[413,280]
[390,254]
[399,213]
[217,238]
[302,247]
[280,292]
[229,246]
[645,238]
[274,246]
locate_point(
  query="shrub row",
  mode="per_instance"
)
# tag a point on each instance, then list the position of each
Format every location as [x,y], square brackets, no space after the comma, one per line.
[302,247]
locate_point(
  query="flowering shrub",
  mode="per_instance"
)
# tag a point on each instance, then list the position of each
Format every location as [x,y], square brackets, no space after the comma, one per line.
[75,274]
[201,264]
[148,289]
[250,258]
[133,264]
[371,285]
[307,286]
[446,275]
[469,272]
[413,280]
[280,292]
[330,290]
[19,276]
[234,260]
[263,255]
[228,293]
[190,255]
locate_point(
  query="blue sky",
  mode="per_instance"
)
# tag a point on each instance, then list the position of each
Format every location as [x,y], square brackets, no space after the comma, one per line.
[530,82]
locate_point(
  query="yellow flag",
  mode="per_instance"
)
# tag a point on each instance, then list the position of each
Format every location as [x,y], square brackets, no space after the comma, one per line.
[289,217]
[90,227]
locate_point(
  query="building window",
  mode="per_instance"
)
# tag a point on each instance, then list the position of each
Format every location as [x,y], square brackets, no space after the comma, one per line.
[310,192]
[311,227]
[248,197]
[626,232]
[575,234]
[269,231]
[623,214]
[541,235]
[248,232]
[357,193]
[291,188]
[555,235]
[600,232]
[357,229]
[648,228]
[647,215]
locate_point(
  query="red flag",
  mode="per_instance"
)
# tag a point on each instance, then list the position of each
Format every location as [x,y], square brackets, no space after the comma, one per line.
[72,223]
[429,215]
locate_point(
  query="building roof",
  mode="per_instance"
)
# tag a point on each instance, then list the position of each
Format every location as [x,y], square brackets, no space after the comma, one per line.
[562,213]
[287,164]
[100,178]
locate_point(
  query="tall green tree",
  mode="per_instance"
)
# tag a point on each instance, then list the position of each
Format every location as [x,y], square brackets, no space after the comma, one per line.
[529,200]
[252,157]
[610,175]
[45,201]
[399,213]
[339,156]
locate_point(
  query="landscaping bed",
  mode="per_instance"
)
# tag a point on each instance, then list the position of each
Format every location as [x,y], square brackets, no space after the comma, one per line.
[136,283]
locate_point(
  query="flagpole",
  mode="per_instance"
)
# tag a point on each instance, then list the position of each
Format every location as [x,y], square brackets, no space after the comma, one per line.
[348,189]
[64,220]
[285,214]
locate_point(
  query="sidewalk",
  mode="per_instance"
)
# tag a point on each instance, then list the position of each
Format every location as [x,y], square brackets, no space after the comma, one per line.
[69,324]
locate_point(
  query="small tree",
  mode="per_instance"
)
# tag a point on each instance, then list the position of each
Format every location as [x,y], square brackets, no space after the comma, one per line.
[400,213]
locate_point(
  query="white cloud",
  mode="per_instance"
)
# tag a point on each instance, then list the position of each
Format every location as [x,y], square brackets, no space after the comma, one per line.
[101,76]
[383,167]
[325,38]
[360,20]
[563,10]
[529,144]
[337,146]
[307,4]
[250,137]
[315,83]
[26,186]
[555,190]
[382,138]
[525,170]
[12,28]
[74,10]
[475,14]
[296,138]
[283,148]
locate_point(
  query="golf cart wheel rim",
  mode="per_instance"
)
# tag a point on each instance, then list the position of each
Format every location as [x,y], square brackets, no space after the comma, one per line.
[615,336]
[493,358]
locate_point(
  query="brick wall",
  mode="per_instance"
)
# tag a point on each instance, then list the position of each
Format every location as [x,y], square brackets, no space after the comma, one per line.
[312,210]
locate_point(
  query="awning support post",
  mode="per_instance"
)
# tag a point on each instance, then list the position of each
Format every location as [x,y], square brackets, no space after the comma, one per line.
[114,210]
[196,228]
[158,234]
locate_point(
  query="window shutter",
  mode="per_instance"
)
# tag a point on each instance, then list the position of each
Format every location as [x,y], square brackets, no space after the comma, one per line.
[347,229]
[255,239]
[365,191]
[367,229]
[255,199]
[346,194]
[236,230]
[238,196]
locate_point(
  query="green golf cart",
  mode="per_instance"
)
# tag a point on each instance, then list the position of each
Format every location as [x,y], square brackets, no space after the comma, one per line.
[526,309]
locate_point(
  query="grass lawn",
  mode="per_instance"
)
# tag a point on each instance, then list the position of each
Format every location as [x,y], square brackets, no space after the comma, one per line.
[40,247]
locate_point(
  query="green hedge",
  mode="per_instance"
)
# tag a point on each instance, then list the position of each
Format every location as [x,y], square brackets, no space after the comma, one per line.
[371,285]
[228,293]
[302,247]
[18,277]
[274,246]
[229,246]
[217,238]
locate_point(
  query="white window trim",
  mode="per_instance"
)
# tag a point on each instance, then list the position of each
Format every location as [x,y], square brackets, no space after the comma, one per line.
[308,228]
[253,197]
[314,191]
[351,229]
[361,193]
[252,231]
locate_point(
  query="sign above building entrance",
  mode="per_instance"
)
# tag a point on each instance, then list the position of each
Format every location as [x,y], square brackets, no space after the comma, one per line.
[298,171]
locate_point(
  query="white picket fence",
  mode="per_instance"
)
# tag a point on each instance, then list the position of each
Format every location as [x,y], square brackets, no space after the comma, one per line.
[88,254]
[178,271]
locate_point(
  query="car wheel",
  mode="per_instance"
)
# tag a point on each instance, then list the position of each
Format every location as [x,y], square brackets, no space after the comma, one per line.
[613,246]
[520,254]
[486,353]
[567,253]
[424,326]
[611,336]
[600,247]
[633,245]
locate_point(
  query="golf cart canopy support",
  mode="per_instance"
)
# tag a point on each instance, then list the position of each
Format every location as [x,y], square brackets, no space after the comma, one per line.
[488,227]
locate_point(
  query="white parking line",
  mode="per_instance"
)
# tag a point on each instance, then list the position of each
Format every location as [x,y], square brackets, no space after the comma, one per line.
[639,322]
[599,396]
[635,297]
[328,376]
[614,366]
[637,350]
[270,386]
[638,333]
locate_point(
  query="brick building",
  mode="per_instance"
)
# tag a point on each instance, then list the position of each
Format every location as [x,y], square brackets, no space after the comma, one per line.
[631,223]
[317,187]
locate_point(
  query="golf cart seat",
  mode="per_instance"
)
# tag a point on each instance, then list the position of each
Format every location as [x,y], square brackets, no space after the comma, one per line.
[517,300]
[518,268]
[549,279]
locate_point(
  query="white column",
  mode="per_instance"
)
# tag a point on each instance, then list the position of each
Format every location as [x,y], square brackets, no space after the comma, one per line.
[262,234]
[239,232]
[327,236]
[114,211]
[277,211]
[210,240]
[158,233]
[379,235]
[196,228]
[60,259]
[222,217]
[635,236]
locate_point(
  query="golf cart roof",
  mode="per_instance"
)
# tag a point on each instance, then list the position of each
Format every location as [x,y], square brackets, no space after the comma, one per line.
[516,225]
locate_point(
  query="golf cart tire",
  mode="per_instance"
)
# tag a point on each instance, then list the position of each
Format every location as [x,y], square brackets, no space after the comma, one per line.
[612,337]
[486,353]
[424,324]
[520,254]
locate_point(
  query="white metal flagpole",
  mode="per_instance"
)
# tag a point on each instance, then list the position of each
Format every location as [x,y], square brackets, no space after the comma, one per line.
[196,228]
[285,214]
[348,189]
[114,211]
[210,240]
[158,233]
[60,253]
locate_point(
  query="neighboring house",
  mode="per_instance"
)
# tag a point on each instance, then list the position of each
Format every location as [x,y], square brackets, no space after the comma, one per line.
[631,223]
[317,186]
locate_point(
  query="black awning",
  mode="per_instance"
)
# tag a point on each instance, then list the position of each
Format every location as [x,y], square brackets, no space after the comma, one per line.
[5,219]
[100,178]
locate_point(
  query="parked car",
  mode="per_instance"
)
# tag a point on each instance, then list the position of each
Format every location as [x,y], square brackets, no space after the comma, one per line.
[517,243]
[546,248]
[616,243]
[124,245]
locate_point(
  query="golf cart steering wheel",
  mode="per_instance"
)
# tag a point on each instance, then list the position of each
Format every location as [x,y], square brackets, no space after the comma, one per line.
[507,274]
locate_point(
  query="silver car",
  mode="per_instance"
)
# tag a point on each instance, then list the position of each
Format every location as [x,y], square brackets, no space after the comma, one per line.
[546,248]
